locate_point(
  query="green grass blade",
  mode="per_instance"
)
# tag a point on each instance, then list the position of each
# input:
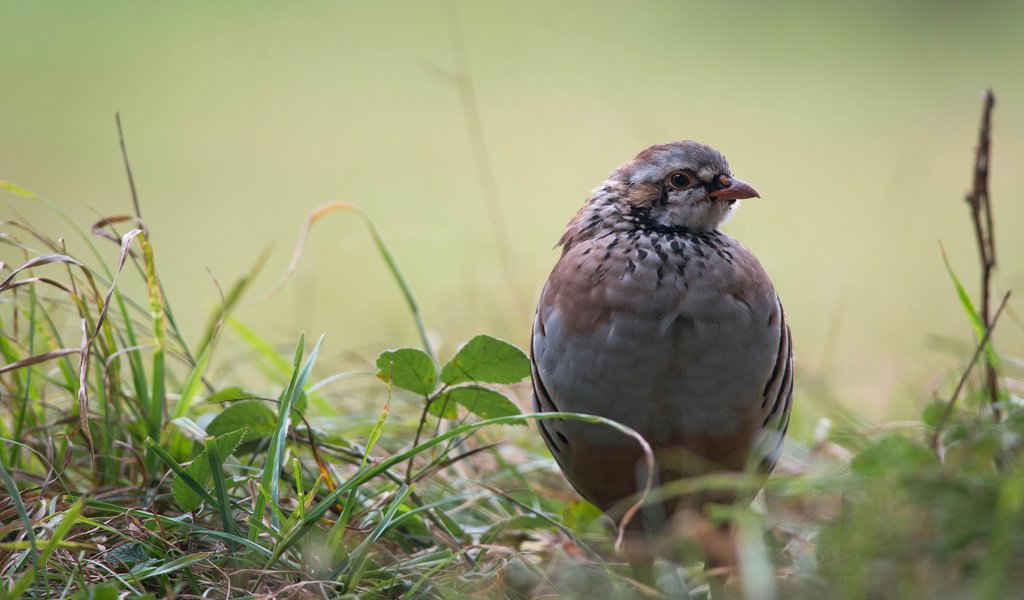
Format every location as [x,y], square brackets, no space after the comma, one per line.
[141,387]
[361,553]
[378,427]
[26,388]
[21,585]
[179,470]
[220,487]
[171,566]
[274,508]
[972,313]
[169,523]
[403,284]
[20,191]
[68,520]
[64,363]
[300,495]
[315,513]
[271,476]
[15,495]
[195,379]
[338,530]
[158,396]
[280,367]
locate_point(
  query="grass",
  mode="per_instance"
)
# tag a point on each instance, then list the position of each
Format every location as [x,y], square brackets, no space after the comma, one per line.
[132,466]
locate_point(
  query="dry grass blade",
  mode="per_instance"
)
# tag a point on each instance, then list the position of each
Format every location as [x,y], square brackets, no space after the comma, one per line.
[38,261]
[128,170]
[39,358]
[382,248]
[54,246]
[100,228]
[484,167]
[32,280]
[88,340]
[300,245]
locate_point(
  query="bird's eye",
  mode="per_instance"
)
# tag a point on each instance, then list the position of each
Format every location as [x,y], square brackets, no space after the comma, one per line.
[681,180]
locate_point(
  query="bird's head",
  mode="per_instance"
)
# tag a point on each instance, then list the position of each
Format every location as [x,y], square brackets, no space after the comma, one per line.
[681,184]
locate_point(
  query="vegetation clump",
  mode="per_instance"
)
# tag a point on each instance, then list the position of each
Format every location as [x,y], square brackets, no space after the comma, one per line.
[138,464]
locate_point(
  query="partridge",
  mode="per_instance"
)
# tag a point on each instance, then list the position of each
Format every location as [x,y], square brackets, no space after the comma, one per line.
[654,318]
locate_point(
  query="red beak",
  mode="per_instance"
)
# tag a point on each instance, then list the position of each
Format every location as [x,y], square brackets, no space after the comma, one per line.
[733,189]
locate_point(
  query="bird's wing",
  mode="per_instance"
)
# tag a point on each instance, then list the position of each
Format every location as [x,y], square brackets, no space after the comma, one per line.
[777,398]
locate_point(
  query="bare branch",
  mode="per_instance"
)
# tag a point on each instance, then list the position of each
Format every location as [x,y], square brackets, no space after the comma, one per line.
[981,215]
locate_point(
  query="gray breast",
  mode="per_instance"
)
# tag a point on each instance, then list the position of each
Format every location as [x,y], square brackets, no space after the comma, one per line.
[669,334]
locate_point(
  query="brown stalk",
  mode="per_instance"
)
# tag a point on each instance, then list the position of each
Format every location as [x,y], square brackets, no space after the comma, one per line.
[128,170]
[981,216]
[484,166]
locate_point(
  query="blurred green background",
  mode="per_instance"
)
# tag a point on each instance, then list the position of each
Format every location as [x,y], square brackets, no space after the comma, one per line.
[856,121]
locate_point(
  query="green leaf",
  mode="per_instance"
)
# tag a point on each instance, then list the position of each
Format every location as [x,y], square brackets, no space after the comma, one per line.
[180,471]
[933,412]
[892,453]
[229,393]
[185,496]
[483,402]
[581,515]
[409,369]
[487,359]
[128,555]
[252,415]
[444,407]
[976,454]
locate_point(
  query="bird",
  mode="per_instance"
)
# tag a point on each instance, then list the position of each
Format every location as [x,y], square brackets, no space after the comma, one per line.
[654,318]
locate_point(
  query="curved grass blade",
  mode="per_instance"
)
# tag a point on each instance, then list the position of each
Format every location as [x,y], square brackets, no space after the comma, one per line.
[972,313]
[382,249]
[317,512]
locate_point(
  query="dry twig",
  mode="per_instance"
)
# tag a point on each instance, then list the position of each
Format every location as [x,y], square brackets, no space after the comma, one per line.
[981,215]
